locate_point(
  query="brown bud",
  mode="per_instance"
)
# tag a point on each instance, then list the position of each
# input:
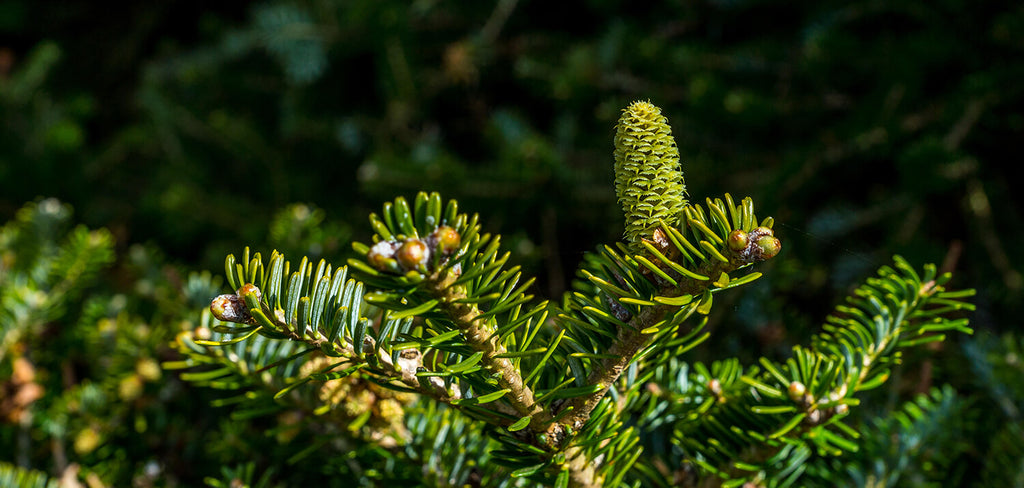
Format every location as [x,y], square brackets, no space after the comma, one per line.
[412,255]
[447,240]
[796,391]
[249,289]
[660,240]
[738,240]
[381,257]
[231,308]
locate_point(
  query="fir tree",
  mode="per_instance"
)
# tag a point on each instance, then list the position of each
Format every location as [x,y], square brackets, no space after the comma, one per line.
[569,393]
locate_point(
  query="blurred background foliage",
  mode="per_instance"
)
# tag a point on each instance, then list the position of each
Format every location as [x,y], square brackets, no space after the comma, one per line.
[181,131]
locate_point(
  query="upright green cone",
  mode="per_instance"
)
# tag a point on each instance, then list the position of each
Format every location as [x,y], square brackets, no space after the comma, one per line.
[648,178]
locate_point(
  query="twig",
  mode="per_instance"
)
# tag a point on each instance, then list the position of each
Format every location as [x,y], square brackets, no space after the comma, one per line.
[465,316]
[629,342]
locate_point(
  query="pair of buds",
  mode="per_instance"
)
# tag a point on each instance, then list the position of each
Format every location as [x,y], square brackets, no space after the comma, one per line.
[413,254]
[757,245]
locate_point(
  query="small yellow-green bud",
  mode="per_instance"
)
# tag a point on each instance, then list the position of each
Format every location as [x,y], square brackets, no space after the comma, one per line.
[648,178]
[382,263]
[87,440]
[738,240]
[148,369]
[761,244]
[129,388]
[770,246]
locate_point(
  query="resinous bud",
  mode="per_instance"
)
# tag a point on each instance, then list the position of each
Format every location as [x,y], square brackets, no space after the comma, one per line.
[381,262]
[381,257]
[413,254]
[230,308]
[770,246]
[448,240]
[251,296]
[738,240]
[250,289]
[796,391]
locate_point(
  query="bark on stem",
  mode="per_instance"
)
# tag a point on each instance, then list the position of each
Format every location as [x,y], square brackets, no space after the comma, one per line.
[466,318]
[629,341]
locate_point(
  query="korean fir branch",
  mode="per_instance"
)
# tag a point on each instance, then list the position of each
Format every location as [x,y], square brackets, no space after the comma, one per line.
[861,341]
[325,309]
[676,256]
[480,325]
[781,415]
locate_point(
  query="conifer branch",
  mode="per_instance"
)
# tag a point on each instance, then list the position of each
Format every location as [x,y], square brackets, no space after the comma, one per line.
[239,308]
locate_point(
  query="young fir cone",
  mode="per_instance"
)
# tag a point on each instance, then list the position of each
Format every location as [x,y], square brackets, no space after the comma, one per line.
[648,178]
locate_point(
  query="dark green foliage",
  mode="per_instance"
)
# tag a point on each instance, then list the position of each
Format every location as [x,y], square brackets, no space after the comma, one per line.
[1003,463]
[995,369]
[920,445]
